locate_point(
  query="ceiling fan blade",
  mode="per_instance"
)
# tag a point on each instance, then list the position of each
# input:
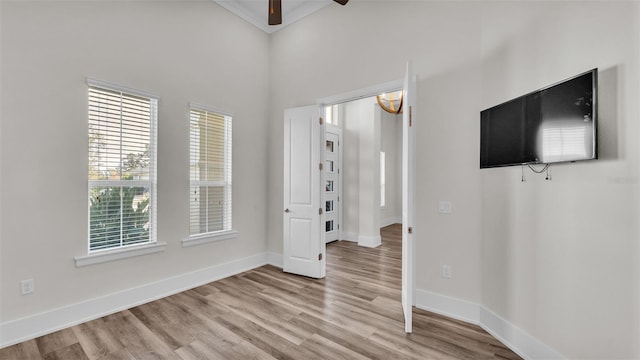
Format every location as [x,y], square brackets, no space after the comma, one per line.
[275,12]
[342,2]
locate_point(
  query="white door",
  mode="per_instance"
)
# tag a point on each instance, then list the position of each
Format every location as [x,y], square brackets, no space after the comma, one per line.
[332,183]
[408,171]
[303,243]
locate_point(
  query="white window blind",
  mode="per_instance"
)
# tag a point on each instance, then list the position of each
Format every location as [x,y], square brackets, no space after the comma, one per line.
[122,168]
[209,172]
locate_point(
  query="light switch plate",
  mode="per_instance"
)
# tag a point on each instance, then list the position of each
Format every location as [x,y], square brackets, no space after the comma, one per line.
[444,207]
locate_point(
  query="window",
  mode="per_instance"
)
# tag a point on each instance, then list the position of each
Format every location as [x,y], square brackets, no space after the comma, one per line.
[382,179]
[209,172]
[331,114]
[122,167]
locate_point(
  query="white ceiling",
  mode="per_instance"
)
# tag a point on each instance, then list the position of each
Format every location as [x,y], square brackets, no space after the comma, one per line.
[255,11]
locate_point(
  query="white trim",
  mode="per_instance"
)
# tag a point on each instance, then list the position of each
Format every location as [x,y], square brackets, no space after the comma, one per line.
[348,236]
[448,306]
[515,338]
[237,9]
[29,327]
[390,221]
[369,241]
[336,130]
[117,87]
[362,93]
[98,256]
[301,10]
[510,335]
[209,238]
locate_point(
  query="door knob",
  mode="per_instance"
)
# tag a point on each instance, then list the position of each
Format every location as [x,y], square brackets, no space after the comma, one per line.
[287,210]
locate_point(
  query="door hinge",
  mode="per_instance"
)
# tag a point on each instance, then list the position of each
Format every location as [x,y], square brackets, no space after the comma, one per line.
[321,121]
[338,226]
[338,198]
[410,116]
[320,166]
[410,230]
[320,257]
[320,211]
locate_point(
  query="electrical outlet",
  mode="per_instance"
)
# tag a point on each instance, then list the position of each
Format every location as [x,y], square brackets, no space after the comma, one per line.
[446,271]
[26,286]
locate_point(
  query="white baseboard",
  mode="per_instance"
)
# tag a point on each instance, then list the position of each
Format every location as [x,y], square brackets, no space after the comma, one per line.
[510,335]
[348,236]
[29,327]
[515,338]
[390,221]
[463,310]
[369,241]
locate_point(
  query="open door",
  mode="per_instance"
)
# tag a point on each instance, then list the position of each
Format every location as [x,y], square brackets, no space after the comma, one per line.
[303,245]
[408,173]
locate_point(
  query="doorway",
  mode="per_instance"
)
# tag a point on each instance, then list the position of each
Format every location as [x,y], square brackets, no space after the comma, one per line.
[363,187]
[304,245]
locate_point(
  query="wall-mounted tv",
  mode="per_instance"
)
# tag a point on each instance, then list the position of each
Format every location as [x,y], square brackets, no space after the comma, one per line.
[555,124]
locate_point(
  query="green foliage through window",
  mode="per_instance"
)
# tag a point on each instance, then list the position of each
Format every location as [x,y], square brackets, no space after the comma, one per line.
[121,173]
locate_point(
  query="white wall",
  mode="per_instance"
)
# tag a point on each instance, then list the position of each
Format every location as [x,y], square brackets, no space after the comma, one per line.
[391,144]
[362,132]
[556,259]
[560,257]
[356,120]
[350,171]
[443,41]
[369,166]
[181,51]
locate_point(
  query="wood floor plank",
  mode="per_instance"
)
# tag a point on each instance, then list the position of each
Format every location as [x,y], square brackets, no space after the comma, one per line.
[202,350]
[139,340]
[353,313]
[96,339]
[73,351]
[156,321]
[56,340]
[27,350]
[324,348]
[354,341]
[264,339]
[401,343]
[247,350]
[122,354]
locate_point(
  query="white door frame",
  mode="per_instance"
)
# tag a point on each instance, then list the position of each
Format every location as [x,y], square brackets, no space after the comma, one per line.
[365,93]
[329,128]
[362,93]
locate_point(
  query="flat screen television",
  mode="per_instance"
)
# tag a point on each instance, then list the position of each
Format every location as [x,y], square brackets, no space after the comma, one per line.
[555,124]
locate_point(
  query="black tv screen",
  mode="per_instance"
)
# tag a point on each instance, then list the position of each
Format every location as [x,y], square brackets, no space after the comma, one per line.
[555,124]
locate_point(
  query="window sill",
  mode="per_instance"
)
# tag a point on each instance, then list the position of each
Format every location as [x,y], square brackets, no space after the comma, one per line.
[113,255]
[209,238]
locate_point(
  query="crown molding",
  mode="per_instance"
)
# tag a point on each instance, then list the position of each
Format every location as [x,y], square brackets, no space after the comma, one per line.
[255,11]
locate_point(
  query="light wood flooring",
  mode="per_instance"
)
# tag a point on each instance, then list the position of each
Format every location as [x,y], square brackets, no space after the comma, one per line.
[354,313]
